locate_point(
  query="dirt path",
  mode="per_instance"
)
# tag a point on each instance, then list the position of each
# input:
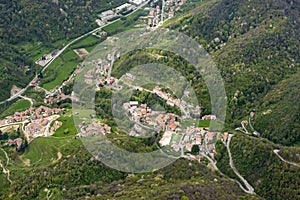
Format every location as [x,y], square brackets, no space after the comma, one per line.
[5,170]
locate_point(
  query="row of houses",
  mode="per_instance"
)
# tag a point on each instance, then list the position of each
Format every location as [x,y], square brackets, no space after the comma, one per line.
[33,114]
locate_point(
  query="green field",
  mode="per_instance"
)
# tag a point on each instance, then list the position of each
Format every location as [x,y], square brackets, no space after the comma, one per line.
[125,23]
[60,70]
[37,50]
[86,42]
[67,129]
[212,124]
[44,150]
[204,123]
[18,106]
[63,66]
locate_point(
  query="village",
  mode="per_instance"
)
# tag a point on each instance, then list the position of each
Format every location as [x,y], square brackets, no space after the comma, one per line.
[176,136]
[42,121]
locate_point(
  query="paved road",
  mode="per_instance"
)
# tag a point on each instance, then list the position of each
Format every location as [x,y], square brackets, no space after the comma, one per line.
[28,99]
[276,151]
[250,189]
[64,48]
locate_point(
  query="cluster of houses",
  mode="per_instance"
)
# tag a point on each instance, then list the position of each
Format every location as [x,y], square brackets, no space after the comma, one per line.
[209,117]
[101,75]
[173,135]
[39,119]
[155,17]
[170,100]
[142,113]
[157,14]
[93,129]
[89,76]
[31,114]
[16,142]
[201,137]
[59,97]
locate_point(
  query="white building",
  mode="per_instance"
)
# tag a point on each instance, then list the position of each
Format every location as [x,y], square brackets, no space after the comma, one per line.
[136,2]
[125,5]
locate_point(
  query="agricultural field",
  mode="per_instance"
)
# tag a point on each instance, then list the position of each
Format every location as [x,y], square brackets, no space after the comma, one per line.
[60,70]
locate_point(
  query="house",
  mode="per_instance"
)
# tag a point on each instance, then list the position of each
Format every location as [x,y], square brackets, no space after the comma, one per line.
[157,9]
[198,140]
[106,13]
[134,103]
[210,136]
[166,139]
[189,146]
[252,114]
[244,123]
[172,127]
[126,105]
[176,147]
[171,14]
[18,142]
[209,117]
[136,2]
[144,105]
[151,13]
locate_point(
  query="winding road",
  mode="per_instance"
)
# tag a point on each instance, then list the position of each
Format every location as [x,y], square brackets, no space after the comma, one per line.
[250,189]
[276,151]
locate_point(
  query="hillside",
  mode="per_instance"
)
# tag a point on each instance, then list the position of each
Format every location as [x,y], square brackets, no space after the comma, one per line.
[256,47]
[279,115]
[29,29]
[256,161]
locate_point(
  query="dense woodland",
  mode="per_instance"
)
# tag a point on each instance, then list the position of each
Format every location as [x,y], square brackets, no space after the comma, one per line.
[256,47]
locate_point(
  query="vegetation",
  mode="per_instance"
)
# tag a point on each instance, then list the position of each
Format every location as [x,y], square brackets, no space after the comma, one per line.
[279,116]
[59,70]
[256,161]
[30,29]
[125,23]
[67,128]
[18,106]
[255,44]
[243,44]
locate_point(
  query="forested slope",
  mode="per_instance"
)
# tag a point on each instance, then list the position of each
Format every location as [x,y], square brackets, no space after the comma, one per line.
[256,47]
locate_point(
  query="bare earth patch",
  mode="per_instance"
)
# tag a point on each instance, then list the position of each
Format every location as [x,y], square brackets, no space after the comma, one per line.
[14,90]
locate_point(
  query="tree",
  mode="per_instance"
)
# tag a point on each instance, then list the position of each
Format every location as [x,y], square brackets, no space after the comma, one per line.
[195,149]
